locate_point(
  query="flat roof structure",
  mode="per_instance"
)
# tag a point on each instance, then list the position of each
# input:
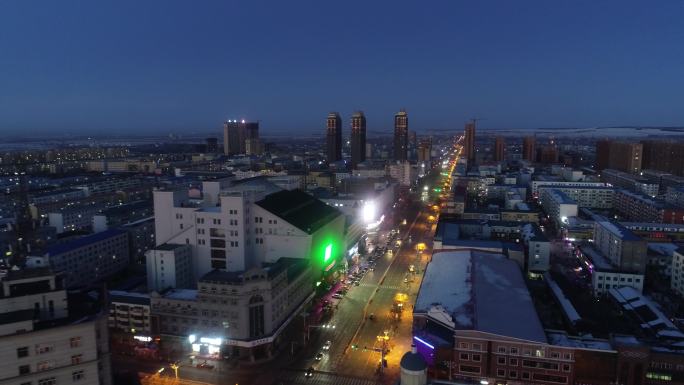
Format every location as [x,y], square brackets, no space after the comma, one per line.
[473,290]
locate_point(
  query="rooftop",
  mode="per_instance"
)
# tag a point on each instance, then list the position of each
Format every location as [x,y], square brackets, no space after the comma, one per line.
[299,209]
[181,294]
[561,338]
[473,290]
[598,260]
[87,240]
[618,230]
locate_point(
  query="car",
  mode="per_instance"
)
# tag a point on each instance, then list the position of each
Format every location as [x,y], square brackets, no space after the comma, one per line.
[327,344]
[319,356]
[309,372]
[205,365]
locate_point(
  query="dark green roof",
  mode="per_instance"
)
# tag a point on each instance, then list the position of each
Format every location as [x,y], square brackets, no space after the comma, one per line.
[299,209]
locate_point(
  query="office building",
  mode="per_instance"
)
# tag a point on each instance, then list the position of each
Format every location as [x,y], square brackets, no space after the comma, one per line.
[43,340]
[87,260]
[621,247]
[334,137]
[529,149]
[401,136]
[358,138]
[240,313]
[469,142]
[499,149]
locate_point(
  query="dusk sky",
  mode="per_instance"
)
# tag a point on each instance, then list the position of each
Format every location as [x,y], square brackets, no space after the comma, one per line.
[147,67]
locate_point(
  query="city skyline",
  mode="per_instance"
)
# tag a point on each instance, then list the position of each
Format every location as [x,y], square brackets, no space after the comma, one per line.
[78,71]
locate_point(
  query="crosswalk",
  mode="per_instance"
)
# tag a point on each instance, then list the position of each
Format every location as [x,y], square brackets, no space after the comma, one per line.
[321,378]
[387,287]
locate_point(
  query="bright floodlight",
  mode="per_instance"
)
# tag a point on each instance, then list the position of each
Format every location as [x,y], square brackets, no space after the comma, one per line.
[369,212]
[192,338]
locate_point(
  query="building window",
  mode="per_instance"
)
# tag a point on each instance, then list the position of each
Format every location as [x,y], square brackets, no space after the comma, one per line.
[76,359]
[22,352]
[75,342]
[500,373]
[477,358]
[256,316]
[513,374]
[77,375]
[464,357]
[45,365]
[469,369]
[525,375]
[477,347]
[501,360]
[513,362]
[47,381]
[514,350]
[566,367]
[463,345]
[501,349]
[42,349]
[24,369]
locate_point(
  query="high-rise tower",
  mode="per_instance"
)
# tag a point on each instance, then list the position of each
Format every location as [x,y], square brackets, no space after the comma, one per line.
[469,141]
[358,138]
[529,149]
[400,136]
[334,137]
[499,148]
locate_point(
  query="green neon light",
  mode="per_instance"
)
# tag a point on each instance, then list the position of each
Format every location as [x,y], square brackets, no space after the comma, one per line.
[328,253]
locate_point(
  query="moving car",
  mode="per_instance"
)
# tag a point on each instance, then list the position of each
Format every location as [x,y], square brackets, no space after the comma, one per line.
[319,356]
[309,372]
[326,345]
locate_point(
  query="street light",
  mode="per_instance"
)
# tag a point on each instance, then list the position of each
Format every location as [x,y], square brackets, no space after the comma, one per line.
[175,367]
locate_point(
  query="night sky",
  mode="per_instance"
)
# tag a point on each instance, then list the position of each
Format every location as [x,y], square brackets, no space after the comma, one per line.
[147,67]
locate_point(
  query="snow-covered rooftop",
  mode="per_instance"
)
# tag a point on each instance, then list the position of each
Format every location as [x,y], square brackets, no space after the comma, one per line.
[182,294]
[469,289]
[561,338]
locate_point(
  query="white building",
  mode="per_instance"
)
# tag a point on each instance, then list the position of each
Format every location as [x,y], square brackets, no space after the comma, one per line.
[170,266]
[626,251]
[604,275]
[41,342]
[677,282]
[538,248]
[237,226]
[558,205]
[405,173]
[236,313]
[129,312]
[535,185]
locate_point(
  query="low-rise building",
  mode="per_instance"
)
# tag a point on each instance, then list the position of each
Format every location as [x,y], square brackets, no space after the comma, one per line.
[42,341]
[129,312]
[604,275]
[640,207]
[557,205]
[169,266]
[234,313]
[624,250]
[630,181]
[87,260]
[677,281]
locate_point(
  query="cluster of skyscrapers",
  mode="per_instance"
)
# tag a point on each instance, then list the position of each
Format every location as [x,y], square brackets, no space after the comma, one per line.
[358,137]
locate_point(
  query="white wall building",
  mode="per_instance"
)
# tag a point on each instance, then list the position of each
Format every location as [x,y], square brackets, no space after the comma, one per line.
[129,312]
[170,266]
[558,205]
[535,185]
[677,282]
[44,344]
[605,275]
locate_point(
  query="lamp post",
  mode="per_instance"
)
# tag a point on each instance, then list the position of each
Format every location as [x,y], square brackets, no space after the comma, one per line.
[175,367]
